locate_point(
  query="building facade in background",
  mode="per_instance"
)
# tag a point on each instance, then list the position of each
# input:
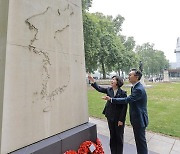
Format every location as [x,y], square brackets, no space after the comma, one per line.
[174,71]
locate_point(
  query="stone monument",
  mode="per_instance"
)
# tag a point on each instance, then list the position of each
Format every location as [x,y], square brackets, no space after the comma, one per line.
[177,51]
[166,76]
[141,69]
[42,73]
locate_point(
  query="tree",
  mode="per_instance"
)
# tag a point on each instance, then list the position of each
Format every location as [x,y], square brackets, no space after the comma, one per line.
[118,21]
[163,63]
[154,61]
[129,44]
[91,42]
[108,53]
[86,4]
[128,58]
[110,44]
[103,43]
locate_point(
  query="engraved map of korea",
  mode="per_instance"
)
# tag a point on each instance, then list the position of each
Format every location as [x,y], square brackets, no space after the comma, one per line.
[57,23]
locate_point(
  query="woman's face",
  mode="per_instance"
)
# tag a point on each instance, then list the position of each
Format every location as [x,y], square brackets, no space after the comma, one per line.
[114,82]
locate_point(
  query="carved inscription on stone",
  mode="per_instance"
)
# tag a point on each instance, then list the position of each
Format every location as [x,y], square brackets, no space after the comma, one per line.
[34,26]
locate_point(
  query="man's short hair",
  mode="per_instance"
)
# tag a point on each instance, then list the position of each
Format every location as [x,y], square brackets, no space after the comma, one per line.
[137,73]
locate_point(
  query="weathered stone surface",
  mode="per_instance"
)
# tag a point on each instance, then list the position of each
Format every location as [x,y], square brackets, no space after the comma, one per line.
[43,87]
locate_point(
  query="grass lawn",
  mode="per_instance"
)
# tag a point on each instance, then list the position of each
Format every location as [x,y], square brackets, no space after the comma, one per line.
[163,107]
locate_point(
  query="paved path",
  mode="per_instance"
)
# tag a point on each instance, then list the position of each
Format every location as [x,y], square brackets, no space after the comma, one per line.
[156,143]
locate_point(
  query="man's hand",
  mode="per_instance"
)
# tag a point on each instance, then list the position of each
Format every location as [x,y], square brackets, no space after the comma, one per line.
[106,98]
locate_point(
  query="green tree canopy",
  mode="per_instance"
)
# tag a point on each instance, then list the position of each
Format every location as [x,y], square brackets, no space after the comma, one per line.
[154,61]
[91,41]
[86,4]
[107,50]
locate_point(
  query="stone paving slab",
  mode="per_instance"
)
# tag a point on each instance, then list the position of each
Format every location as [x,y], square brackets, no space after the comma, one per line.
[174,152]
[157,143]
[163,138]
[176,146]
[159,146]
[128,148]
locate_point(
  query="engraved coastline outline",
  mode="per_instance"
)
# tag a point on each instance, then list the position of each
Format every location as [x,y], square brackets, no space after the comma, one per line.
[46,62]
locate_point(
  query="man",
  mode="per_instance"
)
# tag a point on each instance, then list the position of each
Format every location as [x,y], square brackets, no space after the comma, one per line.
[137,109]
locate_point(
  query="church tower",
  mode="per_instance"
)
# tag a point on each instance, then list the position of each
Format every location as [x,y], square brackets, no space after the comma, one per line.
[177,51]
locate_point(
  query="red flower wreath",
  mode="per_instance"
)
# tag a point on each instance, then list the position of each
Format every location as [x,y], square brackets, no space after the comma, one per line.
[99,148]
[70,152]
[84,148]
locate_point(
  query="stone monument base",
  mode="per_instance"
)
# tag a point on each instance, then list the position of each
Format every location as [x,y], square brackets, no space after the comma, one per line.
[62,142]
[166,76]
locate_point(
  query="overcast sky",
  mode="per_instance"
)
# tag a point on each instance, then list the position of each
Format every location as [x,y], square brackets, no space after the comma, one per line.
[154,21]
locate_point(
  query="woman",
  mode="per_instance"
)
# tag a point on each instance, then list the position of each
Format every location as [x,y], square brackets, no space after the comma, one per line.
[115,114]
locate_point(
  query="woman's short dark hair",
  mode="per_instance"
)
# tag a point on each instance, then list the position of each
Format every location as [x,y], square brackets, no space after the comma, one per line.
[119,80]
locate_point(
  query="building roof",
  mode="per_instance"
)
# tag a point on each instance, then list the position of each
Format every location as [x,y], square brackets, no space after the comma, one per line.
[174,70]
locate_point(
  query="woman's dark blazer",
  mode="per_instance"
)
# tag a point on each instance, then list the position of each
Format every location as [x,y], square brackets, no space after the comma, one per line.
[113,111]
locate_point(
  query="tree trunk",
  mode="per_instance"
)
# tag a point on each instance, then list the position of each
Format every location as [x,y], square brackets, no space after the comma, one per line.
[119,72]
[103,71]
[123,75]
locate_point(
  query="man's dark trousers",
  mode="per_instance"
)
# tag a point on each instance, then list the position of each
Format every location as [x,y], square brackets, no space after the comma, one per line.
[139,135]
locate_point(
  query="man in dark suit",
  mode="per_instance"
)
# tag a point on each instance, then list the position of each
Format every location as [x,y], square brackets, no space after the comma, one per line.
[137,109]
[115,114]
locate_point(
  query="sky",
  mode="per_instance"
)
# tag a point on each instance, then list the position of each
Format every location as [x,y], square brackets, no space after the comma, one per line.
[153,21]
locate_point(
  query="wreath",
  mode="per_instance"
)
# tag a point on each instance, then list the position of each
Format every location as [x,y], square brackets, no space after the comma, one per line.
[88,147]
[70,152]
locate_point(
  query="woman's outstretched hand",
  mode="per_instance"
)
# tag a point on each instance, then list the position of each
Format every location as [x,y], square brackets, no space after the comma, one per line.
[91,78]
